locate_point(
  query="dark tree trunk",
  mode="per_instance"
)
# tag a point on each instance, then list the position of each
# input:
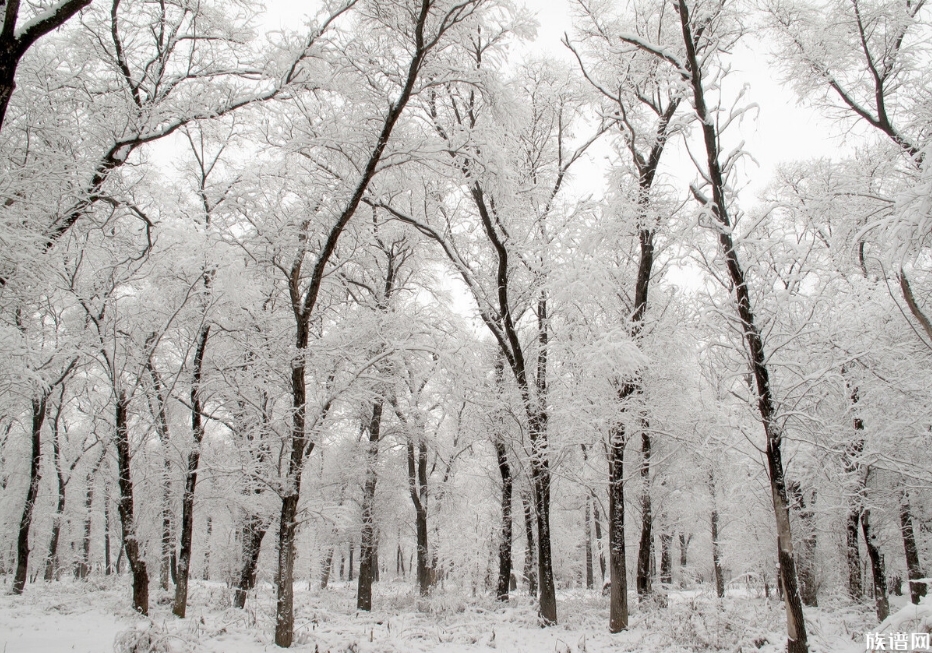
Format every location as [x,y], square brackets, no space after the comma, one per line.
[205,575]
[417,488]
[127,517]
[108,568]
[367,534]
[83,568]
[590,581]
[877,568]
[504,545]
[797,640]
[646,544]
[852,526]
[716,553]
[350,566]
[913,567]
[326,569]
[666,558]
[190,481]
[284,617]
[684,545]
[22,543]
[530,566]
[618,596]
[51,558]
[254,529]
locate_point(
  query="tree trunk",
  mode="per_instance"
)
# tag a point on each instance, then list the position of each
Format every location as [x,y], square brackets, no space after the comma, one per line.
[22,543]
[161,426]
[51,558]
[530,566]
[350,566]
[590,581]
[716,554]
[284,614]
[852,526]
[797,640]
[504,545]
[190,481]
[126,510]
[367,535]
[877,568]
[108,568]
[913,567]
[666,558]
[205,574]
[254,529]
[807,563]
[618,597]
[684,545]
[597,523]
[646,544]
[83,567]
[326,569]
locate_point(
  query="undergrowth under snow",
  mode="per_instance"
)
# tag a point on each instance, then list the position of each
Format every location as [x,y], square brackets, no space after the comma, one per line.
[95,617]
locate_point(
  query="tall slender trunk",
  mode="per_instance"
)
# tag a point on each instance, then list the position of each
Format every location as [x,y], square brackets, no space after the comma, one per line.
[645,546]
[530,566]
[797,640]
[590,581]
[666,558]
[913,567]
[126,509]
[82,568]
[161,426]
[254,529]
[190,481]
[51,558]
[108,567]
[808,584]
[716,552]
[327,567]
[506,537]
[367,534]
[618,596]
[417,486]
[350,566]
[597,523]
[39,407]
[853,519]
[881,605]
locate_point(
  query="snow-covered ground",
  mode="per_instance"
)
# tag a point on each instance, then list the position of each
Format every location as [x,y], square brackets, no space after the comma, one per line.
[95,617]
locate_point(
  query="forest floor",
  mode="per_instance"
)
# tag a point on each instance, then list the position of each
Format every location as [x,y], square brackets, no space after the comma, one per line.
[95,617]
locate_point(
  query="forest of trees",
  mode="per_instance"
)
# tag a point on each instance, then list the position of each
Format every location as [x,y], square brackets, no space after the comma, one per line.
[383,296]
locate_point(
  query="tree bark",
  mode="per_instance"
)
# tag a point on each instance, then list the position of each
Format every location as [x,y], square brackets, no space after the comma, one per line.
[367,535]
[39,407]
[161,425]
[666,558]
[51,558]
[808,584]
[190,482]
[646,544]
[913,567]
[881,605]
[254,529]
[530,566]
[590,581]
[126,510]
[597,523]
[618,596]
[417,486]
[716,553]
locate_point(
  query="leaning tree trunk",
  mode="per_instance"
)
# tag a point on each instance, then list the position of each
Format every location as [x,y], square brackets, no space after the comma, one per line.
[618,595]
[127,517]
[881,605]
[367,535]
[913,568]
[190,482]
[254,529]
[22,543]
[797,640]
